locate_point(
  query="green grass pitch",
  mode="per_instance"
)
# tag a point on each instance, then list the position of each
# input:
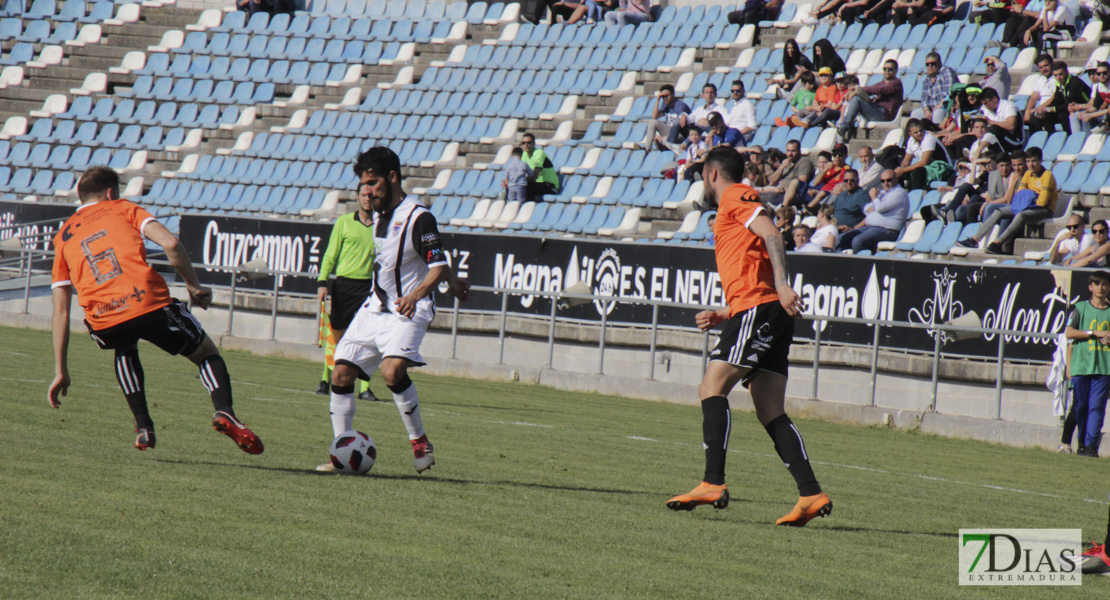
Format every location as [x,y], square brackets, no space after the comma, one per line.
[537,493]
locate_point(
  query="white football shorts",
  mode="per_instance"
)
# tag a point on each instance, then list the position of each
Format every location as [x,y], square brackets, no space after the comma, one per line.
[374,336]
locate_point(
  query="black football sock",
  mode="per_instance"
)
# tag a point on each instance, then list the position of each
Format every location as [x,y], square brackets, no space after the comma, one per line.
[129,375]
[792,450]
[213,372]
[715,425]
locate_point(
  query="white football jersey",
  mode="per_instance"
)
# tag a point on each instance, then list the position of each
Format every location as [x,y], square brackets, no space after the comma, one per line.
[408,245]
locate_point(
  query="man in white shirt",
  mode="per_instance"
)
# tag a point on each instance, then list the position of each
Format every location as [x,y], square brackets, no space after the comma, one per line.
[742,115]
[1003,120]
[699,117]
[869,170]
[1072,241]
[802,243]
[1040,115]
[923,148]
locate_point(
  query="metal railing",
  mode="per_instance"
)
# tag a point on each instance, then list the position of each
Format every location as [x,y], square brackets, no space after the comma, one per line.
[940,330]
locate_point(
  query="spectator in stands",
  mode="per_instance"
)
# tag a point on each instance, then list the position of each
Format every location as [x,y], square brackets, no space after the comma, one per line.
[784,220]
[271,7]
[742,114]
[721,135]
[956,133]
[984,146]
[827,232]
[754,155]
[1070,91]
[997,11]
[630,12]
[593,10]
[852,10]
[1095,254]
[972,190]
[878,12]
[884,218]
[824,96]
[1100,9]
[998,76]
[794,63]
[869,170]
[829,7]
[754,176]
[793,176]
[1020,20]
[544,179]
[824,55]
[755,11]
[803,240]
[1001,185]
[1098,107]
[1073,240]
[849,201]
[1039,113]
[1003,120]
[830,111]
[699,117]
[803,97]
[934,89]
[517,176]
[922,150]
[923,12]
[666,119]
[831,176]
[711,223]
[1054,23]
[879,102]
[1034,202]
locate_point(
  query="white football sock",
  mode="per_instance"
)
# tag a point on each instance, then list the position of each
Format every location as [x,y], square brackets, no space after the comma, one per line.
[408,404]
[342,412]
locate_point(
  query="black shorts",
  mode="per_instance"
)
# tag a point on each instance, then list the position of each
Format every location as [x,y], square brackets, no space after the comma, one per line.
[347,297]
[758,339]
[172,328]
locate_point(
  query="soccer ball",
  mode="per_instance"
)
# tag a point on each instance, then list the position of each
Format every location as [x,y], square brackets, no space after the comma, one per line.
[353,452]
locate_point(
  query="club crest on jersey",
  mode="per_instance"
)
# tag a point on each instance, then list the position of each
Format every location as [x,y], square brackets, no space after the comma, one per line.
[395,227]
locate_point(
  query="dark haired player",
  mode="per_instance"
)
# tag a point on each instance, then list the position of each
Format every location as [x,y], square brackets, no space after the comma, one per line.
[755,342]
[100,253]
[389,327]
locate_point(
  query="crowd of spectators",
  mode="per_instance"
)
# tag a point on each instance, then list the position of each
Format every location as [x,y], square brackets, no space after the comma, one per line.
[966,139]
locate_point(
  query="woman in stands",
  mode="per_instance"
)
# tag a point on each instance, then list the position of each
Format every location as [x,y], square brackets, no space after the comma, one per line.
[824,55]
[825,236]
[793,64]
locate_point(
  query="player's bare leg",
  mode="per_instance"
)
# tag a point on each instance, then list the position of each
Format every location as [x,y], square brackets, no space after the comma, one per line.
[395,372]
[214,375]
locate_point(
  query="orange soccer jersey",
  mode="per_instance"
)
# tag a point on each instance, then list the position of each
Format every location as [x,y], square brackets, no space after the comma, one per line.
[100,252]
[742,259]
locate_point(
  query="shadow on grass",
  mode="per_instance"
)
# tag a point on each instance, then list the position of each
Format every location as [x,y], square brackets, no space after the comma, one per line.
[414,477]
[939,534]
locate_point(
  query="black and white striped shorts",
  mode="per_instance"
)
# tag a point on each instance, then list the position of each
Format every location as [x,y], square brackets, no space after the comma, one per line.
[757,339]
[172,328]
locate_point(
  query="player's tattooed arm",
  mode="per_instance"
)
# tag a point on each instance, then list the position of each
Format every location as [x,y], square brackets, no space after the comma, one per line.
[765,228]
